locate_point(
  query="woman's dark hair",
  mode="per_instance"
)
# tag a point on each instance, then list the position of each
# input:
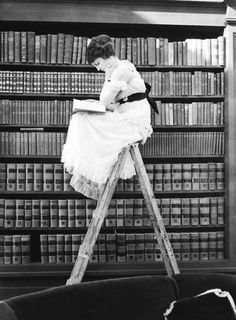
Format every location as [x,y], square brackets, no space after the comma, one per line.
[100,47]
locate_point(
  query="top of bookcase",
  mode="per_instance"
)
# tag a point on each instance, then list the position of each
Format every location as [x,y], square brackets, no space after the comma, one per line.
[188,13]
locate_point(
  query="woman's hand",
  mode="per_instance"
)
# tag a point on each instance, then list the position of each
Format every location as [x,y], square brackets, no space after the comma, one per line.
[111,106]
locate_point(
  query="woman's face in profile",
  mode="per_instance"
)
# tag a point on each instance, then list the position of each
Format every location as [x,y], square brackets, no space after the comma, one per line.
[100,64]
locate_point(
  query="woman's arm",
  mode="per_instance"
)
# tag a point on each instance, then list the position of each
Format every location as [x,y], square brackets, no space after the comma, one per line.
[118,82]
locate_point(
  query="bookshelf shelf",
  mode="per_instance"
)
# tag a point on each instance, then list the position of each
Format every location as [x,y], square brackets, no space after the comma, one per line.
[135,194]
[111,269]
[86,67]
[95,96]
[53,127]
[157,158]
[108,230]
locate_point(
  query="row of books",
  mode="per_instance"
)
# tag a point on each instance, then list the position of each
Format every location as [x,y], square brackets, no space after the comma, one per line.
[163,177]
[61,48]
[182,83]
[138,247]
[35,112]
[180,176]
[31,143]
[189,114]
[34,177]
[184,143]
[169,83]
[57,112]
[77,213]
[15,249]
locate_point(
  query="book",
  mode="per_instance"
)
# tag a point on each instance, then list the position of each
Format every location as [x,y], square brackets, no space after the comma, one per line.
[68,248]
[203,245]
[2,212]
[148,247]
[44,248]
[111,247]
[129,213]
[175,217]
[52,248]
[204,211]
[25,248]
[28,213]
[29,176]
[121,247]
[7,249]
[35,213]
[165,211]
[54,219]
[10,213]
[3,176]
[185,246]
[139,247]
[110,220]
[130,247]
[1,249]
[194,246]
[71,213]
[60,245]
[138,212]
[102,248]
[89,105]
[63,213]
[120,209]
[80,213]
[16,249]
[185,213]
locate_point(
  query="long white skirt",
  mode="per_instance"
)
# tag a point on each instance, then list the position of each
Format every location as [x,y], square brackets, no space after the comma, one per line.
[94,142]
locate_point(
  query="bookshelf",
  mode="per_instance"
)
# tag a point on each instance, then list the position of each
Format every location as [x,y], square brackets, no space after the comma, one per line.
[188,157]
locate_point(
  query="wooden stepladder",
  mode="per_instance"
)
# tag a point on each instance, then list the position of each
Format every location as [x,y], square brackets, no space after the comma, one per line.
[99,214]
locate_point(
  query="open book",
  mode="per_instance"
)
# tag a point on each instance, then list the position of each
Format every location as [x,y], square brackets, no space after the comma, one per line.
[89,105]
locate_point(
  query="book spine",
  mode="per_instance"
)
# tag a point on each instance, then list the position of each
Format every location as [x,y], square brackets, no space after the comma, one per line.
[36,213]
[68,248]
[80,213]
[52,248]
[25,249]
[121,247]
[60,248]
[71,213]
[54,217]
[16,249]
[7,249]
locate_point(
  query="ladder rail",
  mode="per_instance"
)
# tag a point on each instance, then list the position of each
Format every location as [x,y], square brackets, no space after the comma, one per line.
[99,214]
[158,225]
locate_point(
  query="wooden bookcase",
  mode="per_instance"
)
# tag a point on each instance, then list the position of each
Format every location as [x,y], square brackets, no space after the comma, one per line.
[37,273]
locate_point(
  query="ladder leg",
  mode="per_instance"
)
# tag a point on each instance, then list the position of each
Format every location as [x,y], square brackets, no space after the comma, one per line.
[95,225]
[158,225]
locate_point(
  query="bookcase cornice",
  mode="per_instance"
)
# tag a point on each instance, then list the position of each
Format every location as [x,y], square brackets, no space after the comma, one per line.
[132,12]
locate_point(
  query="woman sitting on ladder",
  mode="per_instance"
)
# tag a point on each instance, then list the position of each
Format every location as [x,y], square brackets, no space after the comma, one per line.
[94,140]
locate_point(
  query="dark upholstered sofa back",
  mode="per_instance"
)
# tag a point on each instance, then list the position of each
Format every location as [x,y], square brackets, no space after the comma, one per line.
[144,298]
[136,298]
[192,284]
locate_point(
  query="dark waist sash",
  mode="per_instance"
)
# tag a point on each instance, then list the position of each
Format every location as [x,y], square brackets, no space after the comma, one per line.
[140,96]
[133,97]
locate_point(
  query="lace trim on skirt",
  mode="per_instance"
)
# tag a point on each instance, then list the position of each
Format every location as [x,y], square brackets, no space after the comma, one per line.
[87,187]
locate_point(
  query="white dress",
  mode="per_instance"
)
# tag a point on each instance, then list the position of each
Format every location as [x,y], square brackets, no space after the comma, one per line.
[95,140]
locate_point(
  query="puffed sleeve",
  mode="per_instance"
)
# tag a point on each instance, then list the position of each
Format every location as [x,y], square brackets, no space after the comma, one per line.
[118,82]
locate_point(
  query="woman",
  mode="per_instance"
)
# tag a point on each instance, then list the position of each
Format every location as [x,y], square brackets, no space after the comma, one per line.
[95,140]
